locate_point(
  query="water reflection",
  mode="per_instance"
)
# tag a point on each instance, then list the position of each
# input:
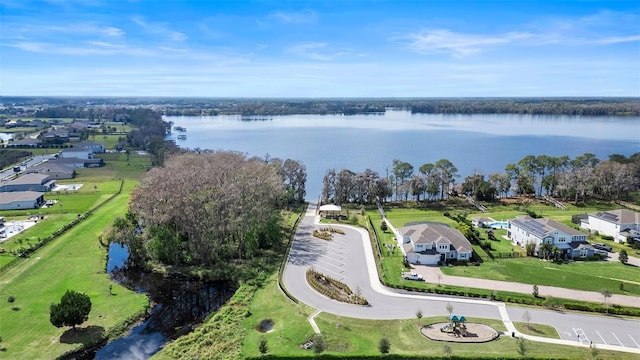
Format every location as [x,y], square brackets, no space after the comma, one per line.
[178,306]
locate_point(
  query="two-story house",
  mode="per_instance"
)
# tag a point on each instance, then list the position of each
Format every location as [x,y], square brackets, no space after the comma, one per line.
[622,224]
[430,243]
[567,241]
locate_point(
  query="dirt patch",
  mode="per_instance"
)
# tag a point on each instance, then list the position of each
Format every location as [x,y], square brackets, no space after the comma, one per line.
[476,333]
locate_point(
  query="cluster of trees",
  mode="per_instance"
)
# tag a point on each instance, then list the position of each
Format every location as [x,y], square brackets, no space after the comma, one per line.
[205,209]
[574,179]
[433,181]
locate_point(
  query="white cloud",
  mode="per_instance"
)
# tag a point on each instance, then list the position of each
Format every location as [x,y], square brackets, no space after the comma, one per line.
[161,29]
[294,17]
[458,44]
[316,51]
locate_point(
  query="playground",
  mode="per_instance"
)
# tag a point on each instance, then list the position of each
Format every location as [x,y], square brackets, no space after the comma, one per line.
[459,330]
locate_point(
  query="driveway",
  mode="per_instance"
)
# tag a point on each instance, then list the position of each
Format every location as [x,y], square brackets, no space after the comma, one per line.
[349,258]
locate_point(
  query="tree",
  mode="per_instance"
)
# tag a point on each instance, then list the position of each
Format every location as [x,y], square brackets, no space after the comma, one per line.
[607,294]
[527,318]
[73,309]
[262,346]
[449,308]
[447,173]
[419,314]
[401,171]
[522,346]
[623,256]
[535,292]
[446,348]
[318,344]
[384,345]
[383,226]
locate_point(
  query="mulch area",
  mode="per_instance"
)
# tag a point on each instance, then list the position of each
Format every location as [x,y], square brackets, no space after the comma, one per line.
[476,333]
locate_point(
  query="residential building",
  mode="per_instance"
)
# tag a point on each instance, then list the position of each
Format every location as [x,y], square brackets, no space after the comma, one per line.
[622,224]
[21,200]
[429,243]
[567,241]
[53,169]
[78,163]
[29,182]
[25,143]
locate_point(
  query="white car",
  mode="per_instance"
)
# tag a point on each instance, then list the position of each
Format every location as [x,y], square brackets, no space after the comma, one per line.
[411,276]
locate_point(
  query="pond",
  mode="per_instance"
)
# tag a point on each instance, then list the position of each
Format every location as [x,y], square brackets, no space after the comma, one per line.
[178,306]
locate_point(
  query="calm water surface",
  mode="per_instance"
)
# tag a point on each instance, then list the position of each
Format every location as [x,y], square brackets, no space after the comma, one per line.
[470,142]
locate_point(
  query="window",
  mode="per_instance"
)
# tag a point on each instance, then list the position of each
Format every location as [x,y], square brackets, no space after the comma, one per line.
[562,239]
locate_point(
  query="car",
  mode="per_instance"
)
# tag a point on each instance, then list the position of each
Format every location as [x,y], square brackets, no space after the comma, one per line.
[601,246]
[412,276]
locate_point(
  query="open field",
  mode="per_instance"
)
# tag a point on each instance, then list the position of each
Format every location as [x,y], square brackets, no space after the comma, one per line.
[537,329]
[581,275]
[75,261]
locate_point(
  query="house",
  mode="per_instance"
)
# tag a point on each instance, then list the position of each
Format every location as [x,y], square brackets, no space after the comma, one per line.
[25,143]
[430,243]
[480,221]
[94,147]
[21,200]
[76,153]
[78,163]
[622,224]
[29,182]
[54,169]
[569,242]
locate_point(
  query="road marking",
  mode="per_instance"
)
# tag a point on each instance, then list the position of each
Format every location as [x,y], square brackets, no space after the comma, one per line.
[601,337]
[581,335]
[619,342]
[634,340]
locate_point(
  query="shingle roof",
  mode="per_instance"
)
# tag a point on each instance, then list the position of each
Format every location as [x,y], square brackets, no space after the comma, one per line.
[29,179]
[542,227]
[9,197]
[437,233]
[619,216]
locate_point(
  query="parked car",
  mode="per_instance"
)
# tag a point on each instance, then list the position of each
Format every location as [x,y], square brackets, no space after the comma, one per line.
[412,276]
[601,246]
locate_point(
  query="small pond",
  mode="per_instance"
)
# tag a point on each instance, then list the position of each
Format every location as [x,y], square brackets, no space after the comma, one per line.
[178,306]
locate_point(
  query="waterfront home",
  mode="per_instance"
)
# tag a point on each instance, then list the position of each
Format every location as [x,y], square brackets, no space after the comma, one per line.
[431,243]
[621,224]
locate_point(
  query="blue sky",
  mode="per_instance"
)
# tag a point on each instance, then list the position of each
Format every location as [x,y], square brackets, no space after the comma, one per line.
[339,48]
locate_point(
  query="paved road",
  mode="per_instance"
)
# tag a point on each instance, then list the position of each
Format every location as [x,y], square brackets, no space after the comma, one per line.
[349,258]
[31,162]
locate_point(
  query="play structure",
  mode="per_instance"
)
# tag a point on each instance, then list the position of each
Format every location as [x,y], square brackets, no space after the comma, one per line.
[456,326]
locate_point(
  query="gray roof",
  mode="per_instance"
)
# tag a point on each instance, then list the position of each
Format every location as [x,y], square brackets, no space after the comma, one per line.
[9,197]
[437,233]
[53,166]
[619,216]
[26,141]
[542,227]
[29,179]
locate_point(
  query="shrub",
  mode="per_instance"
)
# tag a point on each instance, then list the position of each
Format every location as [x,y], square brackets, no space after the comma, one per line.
[11,298]
[606,237]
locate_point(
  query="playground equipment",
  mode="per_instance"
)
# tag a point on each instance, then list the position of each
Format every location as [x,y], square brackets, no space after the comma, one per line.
[456,326]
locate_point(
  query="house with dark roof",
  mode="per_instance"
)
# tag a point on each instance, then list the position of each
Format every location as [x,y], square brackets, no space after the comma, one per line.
[18,200]
[25,143]
[78,163]
[53,169]
[429,243]
[29,182]
[622,224]
[548,233]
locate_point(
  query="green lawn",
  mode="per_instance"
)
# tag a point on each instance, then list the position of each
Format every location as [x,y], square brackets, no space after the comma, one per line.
[537,329]
[581,275]
[73,261]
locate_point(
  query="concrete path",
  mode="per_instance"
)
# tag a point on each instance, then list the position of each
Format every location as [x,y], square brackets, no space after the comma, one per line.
[349,258]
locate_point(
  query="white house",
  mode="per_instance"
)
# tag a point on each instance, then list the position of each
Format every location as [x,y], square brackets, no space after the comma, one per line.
[429,243]
[19,200]
[569,241]
[76,153]
[622,224]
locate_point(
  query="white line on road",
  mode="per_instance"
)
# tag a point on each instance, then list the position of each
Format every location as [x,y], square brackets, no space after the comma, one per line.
[601,337]
[634,340]
[619,342]
[581,335]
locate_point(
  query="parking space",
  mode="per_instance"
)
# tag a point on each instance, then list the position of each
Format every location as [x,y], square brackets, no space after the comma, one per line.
[603,335]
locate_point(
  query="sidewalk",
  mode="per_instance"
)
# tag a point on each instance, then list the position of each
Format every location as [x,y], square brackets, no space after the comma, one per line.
[432,274]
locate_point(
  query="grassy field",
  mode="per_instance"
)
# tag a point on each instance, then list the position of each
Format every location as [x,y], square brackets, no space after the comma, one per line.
[537,329]
[581,275]
[360,337]
[592,276]
[75,261]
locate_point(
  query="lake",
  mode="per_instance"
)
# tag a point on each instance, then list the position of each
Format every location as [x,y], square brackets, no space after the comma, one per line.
[470,142]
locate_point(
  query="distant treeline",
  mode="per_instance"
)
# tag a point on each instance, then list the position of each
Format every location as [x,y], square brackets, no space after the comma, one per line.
[102,108]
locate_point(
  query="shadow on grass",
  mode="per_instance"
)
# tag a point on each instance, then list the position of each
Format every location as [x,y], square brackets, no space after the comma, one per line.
[86,336]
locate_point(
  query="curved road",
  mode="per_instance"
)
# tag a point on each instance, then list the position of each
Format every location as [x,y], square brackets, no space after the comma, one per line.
[349,258]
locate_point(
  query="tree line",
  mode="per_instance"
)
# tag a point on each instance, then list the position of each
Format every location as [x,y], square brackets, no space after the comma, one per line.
[573,179]
[208,209]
